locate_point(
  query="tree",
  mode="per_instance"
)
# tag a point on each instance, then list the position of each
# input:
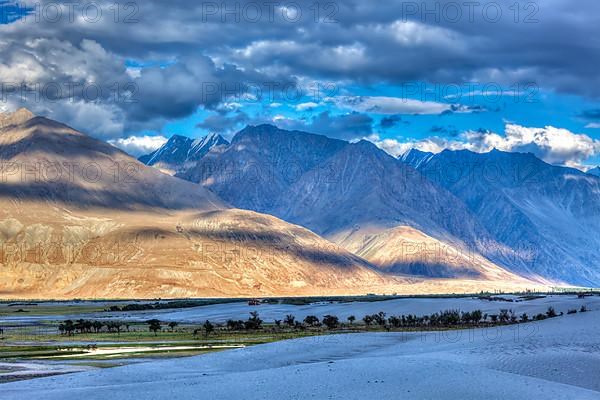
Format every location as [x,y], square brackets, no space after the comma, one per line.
[331,321]
[254,322]
[69,327]
[173,325]
[80,325]
[233,325]
[504,316]
[311,320]
[524,317]
[97,326]
[116,326]
[289,320]
[368,320]
[379,318]
[208,328]
[395,321]
[351,319]
[154,325]
[551,313]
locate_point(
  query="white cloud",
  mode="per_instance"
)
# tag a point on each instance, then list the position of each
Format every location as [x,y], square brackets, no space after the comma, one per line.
[397,147]
[306,106]
[410,33]
[389,105]
[553,145]
[139,145]
[593,125]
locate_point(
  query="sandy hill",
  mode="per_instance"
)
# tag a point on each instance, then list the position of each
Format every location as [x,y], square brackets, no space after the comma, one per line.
[80,218]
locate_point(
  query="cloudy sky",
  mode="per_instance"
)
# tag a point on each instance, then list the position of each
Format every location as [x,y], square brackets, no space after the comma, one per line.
[515,75]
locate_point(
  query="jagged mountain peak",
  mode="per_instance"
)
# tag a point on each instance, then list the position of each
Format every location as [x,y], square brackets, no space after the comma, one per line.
[180,153]
[415,157]
[212,139]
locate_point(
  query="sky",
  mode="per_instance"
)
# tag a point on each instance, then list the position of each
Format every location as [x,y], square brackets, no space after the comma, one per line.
[513,75]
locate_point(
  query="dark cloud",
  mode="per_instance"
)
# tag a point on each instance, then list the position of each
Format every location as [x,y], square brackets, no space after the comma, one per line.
[363,42]
[390,121]
[223,123]
[349,126]
[593,114]
[444,130]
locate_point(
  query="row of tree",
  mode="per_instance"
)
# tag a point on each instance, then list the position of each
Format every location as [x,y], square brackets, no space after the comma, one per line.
[82,326]
[70,327]
[448,318]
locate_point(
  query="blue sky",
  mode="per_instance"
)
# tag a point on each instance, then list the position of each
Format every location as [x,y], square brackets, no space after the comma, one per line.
[351,70]
[489,111]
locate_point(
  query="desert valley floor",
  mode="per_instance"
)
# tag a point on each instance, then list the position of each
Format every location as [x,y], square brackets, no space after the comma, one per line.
[557,358]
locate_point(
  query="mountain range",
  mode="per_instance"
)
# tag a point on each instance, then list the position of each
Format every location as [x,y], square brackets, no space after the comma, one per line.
[80,218]
[545,218]
[456,214]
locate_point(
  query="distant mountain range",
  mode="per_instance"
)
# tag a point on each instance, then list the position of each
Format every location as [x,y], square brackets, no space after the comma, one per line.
[546,218]
[455,214]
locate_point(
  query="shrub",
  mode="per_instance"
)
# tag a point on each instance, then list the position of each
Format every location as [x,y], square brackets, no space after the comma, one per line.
[331,321]
[540,317]
[311,320]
